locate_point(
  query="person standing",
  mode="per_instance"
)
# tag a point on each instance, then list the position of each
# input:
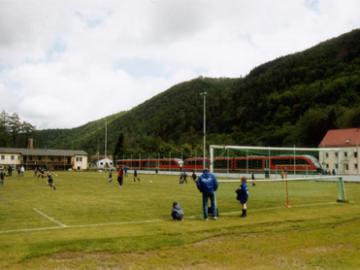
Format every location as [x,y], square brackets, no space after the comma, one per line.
[2,177]
[22,170]
[51,181]
[120,177]
[194,176]
[207,185]
[136,177]
[110,176]
[243,195]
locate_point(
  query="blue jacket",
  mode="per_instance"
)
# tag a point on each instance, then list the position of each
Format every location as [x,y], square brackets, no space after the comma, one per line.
[207,183]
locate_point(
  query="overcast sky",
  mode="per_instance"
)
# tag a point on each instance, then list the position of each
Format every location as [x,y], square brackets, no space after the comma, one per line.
[64,63]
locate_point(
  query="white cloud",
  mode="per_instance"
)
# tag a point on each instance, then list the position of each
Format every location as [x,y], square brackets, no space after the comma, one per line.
[63,63]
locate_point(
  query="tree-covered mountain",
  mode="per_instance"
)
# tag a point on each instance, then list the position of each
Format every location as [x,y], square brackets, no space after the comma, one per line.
[292,100]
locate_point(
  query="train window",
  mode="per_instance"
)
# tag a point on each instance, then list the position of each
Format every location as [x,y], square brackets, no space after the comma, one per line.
[255,164]
[240,163]
[221,163]
[150,163]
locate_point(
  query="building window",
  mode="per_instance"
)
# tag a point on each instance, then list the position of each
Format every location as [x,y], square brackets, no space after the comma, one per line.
[39,158]
[2,157]
[19,158]
[30,158]
[345,154]
[327,166]
[12,157]
[336,166]
[79,159]
[336,154]
[327,155]
[347,167]
[355,154]
[355,166]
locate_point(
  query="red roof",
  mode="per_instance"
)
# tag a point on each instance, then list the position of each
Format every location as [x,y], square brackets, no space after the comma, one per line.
[341,138]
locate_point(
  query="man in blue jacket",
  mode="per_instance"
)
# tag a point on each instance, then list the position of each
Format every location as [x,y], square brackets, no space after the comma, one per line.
[207,184]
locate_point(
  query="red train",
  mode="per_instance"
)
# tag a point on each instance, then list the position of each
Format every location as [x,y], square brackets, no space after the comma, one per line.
[303,163]
[171,164]
[300,163]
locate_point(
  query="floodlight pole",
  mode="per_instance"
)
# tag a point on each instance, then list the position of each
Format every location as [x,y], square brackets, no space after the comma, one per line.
[204,129]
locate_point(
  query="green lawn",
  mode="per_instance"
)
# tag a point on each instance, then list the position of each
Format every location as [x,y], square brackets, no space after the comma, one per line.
[88,223]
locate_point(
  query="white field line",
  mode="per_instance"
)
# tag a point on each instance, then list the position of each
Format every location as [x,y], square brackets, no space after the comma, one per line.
[50,218]
[150,220]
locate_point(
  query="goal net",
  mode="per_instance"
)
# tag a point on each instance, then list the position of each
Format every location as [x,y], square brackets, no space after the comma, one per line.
[288,168]
[272,162]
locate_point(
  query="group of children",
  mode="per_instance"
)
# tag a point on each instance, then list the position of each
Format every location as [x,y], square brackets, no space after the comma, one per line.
[120,175]
[242,195]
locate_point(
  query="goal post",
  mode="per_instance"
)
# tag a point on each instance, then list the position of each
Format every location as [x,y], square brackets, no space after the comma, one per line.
[268,164]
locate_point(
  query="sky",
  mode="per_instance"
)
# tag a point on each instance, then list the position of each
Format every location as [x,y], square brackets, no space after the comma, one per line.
[65,63]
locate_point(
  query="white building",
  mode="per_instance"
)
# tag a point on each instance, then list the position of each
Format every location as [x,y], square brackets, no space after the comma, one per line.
[104,163]
[346,159]
[49,158]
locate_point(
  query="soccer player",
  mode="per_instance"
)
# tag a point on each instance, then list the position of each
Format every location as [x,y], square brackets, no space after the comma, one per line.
[2,177]
[110,176]
[176,212]
[51,181]
[194,176]
[207,185]
[243,195]
[136,177]
[120,177]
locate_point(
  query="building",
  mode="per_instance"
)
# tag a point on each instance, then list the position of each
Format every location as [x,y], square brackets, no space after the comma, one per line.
[50,158]
[105,163]
[344,156]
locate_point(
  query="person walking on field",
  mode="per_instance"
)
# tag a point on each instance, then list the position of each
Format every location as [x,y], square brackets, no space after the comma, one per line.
[136,177]
[207,185]
[2,177]
[51,181]
[110,176]
[120,177]
[243,195]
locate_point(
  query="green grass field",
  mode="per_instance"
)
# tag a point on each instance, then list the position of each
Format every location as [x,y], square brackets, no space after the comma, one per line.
[88,223]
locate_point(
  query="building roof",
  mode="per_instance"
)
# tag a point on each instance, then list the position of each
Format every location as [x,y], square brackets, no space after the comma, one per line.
[341,138]
[42,152]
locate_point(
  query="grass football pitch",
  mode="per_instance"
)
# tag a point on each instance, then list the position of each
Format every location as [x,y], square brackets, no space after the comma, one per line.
[88,223]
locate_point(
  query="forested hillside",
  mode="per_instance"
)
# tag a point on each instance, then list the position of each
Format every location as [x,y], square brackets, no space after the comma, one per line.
[292,100]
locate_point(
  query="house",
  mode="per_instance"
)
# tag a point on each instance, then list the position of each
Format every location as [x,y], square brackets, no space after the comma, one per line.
[344,157]
[50,158]
[104,163]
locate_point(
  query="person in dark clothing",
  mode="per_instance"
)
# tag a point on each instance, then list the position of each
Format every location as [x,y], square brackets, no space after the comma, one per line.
[243,195]
[183,177]
[2,177]
[176,212]
[120,176]
[110,176]
[136,177]
[51,181]
[10,169]
[194,176]
[207,185]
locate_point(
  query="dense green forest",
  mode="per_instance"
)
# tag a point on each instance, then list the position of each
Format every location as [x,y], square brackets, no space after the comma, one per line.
[292,100]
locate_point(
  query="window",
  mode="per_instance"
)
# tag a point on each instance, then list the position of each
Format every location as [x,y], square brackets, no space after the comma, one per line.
[356,166]
[345,154]
[355,154]
[347,167]
[327,155]
[2,157]
[327,166]
[12,157]
[336,166]
[19,158]
[336,154]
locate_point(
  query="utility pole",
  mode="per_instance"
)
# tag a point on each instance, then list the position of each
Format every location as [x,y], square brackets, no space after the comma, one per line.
[203,94]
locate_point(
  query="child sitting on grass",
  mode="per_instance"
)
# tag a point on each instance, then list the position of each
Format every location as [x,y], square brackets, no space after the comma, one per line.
[176,212]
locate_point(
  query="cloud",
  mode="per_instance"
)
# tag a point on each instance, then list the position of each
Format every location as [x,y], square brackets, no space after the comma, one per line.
[63,63]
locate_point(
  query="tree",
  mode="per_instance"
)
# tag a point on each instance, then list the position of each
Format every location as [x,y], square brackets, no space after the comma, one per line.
[119,147]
